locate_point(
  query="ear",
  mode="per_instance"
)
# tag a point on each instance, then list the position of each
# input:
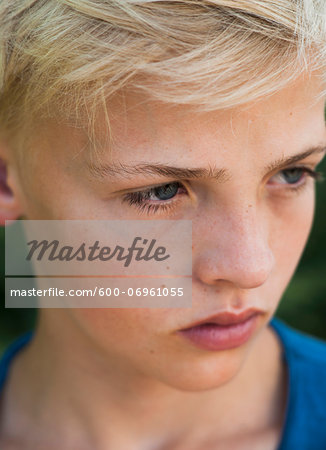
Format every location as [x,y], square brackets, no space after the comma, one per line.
[10,208]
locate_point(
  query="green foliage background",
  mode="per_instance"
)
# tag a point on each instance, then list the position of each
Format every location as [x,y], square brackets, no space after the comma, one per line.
[303,305]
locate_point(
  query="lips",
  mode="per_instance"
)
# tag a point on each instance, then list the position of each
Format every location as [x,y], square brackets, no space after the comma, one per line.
[227,318]
[222,331]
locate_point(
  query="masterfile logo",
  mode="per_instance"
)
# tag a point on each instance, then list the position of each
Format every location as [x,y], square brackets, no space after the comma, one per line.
[103,263]
[138,250]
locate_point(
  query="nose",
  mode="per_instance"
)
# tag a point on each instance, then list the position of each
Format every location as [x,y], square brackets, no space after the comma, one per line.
[233,247]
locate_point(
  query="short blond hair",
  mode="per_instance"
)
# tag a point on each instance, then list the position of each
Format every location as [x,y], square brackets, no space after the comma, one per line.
[64,58]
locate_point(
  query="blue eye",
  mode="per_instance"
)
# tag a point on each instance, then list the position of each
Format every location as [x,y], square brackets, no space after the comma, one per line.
[166,191]
[156,198]
[294,176]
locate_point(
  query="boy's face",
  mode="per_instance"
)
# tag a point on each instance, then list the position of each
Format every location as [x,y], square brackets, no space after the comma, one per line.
[249,226]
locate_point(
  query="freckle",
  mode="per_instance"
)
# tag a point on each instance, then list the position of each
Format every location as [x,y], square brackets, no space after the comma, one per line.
[291,113]
[249,206]
[167,267]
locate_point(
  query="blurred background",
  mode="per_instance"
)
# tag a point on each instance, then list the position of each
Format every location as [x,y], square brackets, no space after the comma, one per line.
[303,305]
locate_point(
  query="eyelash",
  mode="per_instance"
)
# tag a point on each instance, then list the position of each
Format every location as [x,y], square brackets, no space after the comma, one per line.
[306,172]
[138,198]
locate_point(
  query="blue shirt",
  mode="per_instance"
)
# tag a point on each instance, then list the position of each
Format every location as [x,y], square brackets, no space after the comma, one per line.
[304,427]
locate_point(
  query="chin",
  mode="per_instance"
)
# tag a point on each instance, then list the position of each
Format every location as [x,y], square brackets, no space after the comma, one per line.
[204,371]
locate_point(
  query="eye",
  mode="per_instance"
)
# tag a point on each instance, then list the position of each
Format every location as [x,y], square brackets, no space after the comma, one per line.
[165,192]
[294,176]
[156,198]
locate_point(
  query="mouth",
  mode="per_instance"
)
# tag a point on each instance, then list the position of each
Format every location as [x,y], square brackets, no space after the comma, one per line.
[222,331]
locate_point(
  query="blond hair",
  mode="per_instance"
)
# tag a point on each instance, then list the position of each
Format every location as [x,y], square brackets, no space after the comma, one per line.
[64,58]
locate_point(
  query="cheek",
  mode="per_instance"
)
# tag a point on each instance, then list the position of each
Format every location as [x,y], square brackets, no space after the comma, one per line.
[290,231]
[120,330]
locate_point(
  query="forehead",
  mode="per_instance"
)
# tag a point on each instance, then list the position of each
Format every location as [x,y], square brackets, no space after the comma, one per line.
[291,113]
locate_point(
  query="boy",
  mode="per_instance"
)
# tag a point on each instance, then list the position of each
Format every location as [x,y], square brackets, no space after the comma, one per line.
[209,111]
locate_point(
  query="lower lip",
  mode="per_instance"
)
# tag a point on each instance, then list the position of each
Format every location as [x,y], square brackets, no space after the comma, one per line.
[211,336]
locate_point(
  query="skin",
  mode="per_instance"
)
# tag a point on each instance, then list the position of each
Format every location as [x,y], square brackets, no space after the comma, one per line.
[123,378]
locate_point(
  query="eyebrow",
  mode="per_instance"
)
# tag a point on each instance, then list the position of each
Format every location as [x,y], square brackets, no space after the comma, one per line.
[163,170]
[282,162]
[120,170]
